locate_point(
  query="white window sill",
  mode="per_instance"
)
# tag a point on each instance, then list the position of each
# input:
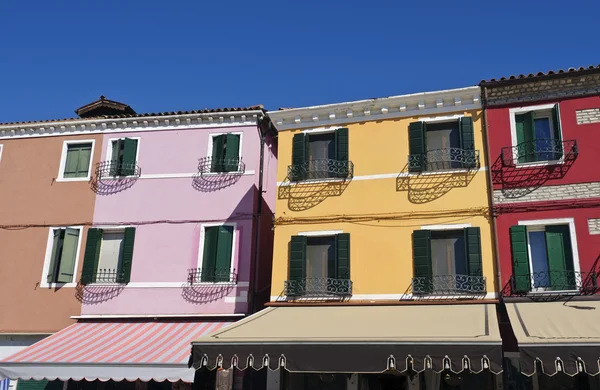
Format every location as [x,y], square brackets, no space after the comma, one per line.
[214,284]
[542,291]
[64,180]
[441,172]
[539,163]
[57,285]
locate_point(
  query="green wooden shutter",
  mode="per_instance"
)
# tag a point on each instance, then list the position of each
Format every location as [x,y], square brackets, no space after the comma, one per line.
[224,250]
[467,138]
[31,384]
[124,275]
[525,137]
[416,146]
[299,157]
[422,269]
[473,246]
[91,256]
[72,161]
[558,154]
[232,152]
[342,249]
[520,259]
[218,155]
[209,254]
[54,254]
[297,265]
[341,152]
[129,156]
[560,257]
[66,269]
[83,165]
[115,165]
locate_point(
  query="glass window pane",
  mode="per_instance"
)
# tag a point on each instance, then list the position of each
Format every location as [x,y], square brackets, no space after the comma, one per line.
[442,148]
[539,259]
[544,144]
[320,255]
[110,255]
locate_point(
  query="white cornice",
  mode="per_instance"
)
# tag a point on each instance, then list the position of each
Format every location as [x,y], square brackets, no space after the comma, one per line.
[129,124]
[418,104]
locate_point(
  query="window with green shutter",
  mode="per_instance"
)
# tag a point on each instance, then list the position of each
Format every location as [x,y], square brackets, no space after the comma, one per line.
[108,256]
[320,155]
[63,255]
[77,160]
[538,135]
[124,157]
[217,253]
[225,155]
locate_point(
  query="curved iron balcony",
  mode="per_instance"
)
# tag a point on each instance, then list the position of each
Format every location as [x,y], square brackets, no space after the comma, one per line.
[321,169]
[538,151]
[444,159]
[112,169]
[553,282]
[105,277]
[449,285]
[318,288]
[221,165]
[211,275]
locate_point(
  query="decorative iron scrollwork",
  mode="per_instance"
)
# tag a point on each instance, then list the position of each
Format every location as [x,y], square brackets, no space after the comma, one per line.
[113,169]
[539,150]
[444,159]
[449,285]
[321,169]
[107,277]
[221,165]
[318,288]
[211,275]
[554,283]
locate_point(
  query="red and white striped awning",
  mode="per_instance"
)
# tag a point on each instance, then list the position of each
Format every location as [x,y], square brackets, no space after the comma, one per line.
[130,350]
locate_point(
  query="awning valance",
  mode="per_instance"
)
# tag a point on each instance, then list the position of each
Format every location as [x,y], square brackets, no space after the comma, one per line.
[129,350]
[559,336]
[358,339]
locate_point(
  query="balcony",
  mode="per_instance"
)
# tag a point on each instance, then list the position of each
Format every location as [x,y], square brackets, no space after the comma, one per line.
[105,277]
[113,176]
[550,285]
[322,169]
[215,174]
[443,160]
[449,285]
[318,288]
[210,275]
[540,150]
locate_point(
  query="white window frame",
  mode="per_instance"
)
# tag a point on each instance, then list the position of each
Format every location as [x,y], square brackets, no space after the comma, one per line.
[321,233]
[63,160]
[1,149]
[211,138]
[109,150]
[513,132]
[44,283]
[536,225]
[457,226]
[234,241]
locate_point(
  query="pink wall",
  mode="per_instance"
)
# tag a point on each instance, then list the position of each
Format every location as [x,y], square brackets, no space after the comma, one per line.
[168,213]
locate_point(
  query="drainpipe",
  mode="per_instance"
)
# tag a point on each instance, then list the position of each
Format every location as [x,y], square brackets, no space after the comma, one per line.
[491,194]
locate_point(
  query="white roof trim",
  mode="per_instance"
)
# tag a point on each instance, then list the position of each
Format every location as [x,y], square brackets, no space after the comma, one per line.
[424,103]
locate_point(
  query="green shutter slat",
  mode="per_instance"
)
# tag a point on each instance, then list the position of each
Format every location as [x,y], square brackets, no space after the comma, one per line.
[342,247]
[297,264]
[558,154]
[520,259]
[218,153]
[124,275]
[416,146]
[91,256]
[71,163]
[299,153]
[341,151]
[560,257]
[129,156]
[209,254]
[525,128]
[66,270]
[467,138]
[224,250]
[421,241]
[473,246]
[232,152]
[83,165]
[31,384]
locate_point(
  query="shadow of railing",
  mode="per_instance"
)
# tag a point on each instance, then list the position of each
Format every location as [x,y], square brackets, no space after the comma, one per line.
[208,285]
[93,294]
[308,194]
[214,175]
[446,288]
[110,178]
[428,186]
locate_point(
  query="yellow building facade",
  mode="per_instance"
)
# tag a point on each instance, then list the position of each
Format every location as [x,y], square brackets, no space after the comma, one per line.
[383,199]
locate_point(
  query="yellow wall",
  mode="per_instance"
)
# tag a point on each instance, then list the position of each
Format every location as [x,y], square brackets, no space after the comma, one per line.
[380,213]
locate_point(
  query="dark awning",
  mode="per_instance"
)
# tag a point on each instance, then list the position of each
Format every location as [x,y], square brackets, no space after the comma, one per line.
[559,336]
[358,339]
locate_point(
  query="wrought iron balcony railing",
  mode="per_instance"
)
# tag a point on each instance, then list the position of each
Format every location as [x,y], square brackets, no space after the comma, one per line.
[444,159]
[112,169]
[105,276]
[321,169]
[221,165]
[539,150]
[449,285]
[318,288]
[553,282]
[211,275]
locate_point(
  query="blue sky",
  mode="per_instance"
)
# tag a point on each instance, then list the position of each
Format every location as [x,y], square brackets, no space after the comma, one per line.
[179,55]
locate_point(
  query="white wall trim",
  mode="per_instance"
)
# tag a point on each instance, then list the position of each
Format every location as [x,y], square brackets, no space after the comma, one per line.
[183,283]
[456,226]
[320,233]
[44,282]
[321,130]
[63,160]
[387,297]
[100,316]
[448,118]
[234,244]
[539,107]
[239,299]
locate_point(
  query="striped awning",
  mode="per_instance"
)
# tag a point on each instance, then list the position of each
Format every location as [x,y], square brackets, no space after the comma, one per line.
[129,350]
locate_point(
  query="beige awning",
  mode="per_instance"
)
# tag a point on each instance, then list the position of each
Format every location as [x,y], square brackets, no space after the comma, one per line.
[358,339]
[560,336]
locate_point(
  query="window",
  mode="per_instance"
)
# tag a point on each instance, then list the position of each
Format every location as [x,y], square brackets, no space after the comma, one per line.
[225,155]
[447,261]
[63,254]
[543,258]
[108,256]
[441,145]
[537,134]
[75,160]
[320,155]
[123,156]
[317,262]
[217,254]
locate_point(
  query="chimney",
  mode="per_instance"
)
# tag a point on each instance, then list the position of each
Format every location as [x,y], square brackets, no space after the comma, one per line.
[104,107]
